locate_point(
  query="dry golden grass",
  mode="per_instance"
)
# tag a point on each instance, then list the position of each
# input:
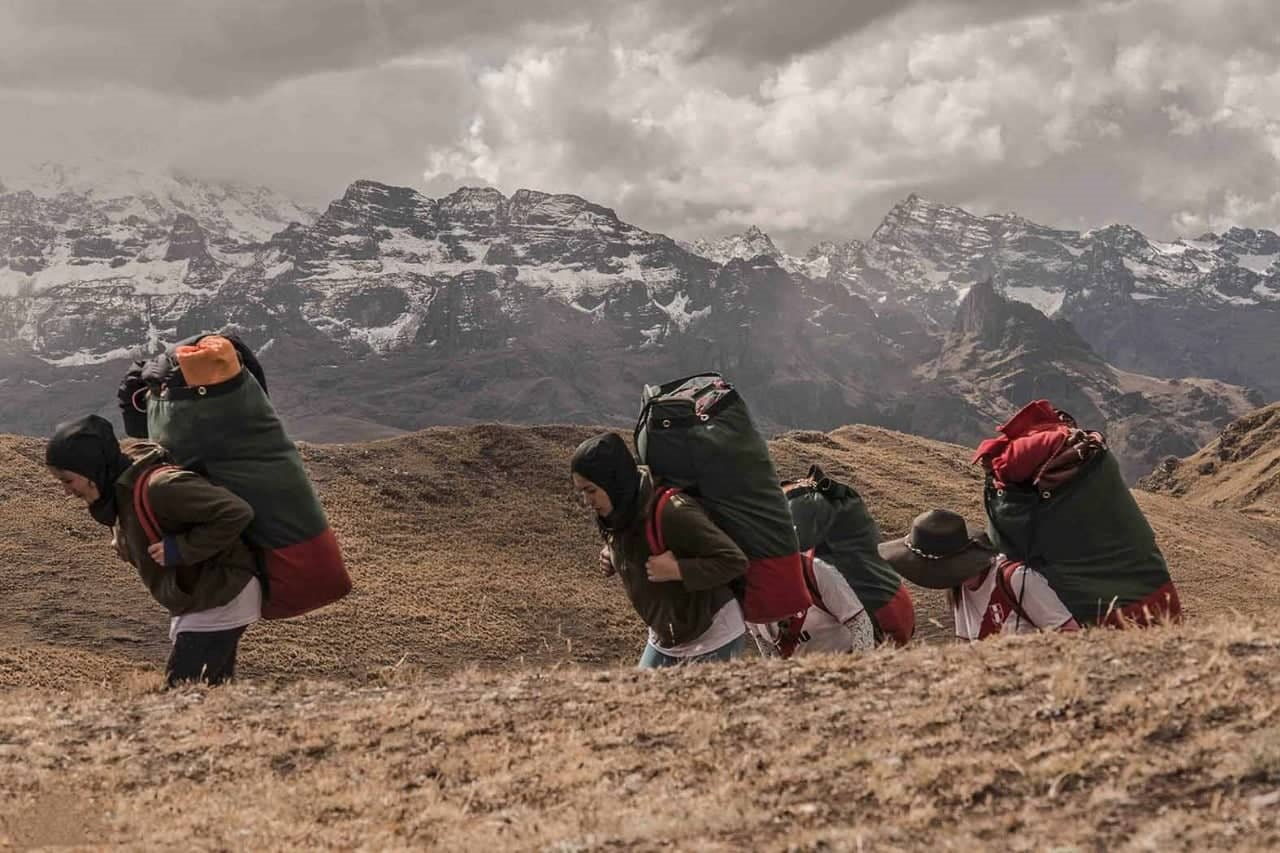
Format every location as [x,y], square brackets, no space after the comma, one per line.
[467,548]
[1166,739]
[381,723]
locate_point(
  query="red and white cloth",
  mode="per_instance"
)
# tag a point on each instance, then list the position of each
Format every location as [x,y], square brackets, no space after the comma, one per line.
[1023,604]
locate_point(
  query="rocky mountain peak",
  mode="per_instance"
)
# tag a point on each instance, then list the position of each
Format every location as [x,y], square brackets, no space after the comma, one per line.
[1125,238]
[186,239]
[915,213]
[475,206]
[998,323]
[742,246]
[981,314]
[561,210]
[373,204]
[1251,241]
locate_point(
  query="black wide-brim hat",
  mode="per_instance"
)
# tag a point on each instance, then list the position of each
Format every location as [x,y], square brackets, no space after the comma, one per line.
[941,551]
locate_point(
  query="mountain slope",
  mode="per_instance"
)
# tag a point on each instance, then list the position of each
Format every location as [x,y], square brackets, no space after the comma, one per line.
[467,547]
[1240,469]
[1001,353]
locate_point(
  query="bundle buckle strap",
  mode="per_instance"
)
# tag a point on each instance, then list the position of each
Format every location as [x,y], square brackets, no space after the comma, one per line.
[790,635]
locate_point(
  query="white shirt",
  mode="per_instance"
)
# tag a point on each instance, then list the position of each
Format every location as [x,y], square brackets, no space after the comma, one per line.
[985,610]
[824,631]
[244,609]
[727,626]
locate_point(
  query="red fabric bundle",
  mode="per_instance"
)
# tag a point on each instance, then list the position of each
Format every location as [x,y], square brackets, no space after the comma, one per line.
[1030,439]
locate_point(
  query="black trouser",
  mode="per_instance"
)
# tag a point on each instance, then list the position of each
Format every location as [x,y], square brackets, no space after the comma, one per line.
[208,656]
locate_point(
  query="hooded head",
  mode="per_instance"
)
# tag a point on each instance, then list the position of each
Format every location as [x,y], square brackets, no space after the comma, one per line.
[86,458]
[605,474]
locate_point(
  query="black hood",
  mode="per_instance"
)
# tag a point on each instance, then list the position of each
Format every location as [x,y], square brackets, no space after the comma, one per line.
[607,461]
[88,447]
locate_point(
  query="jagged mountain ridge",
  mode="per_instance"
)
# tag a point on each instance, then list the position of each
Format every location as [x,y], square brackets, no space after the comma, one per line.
[398,310]
[529,307]
[117,194]
[1208,306]
[933,252]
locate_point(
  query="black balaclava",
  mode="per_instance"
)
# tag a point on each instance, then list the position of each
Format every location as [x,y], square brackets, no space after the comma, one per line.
[606,461]
[88,447]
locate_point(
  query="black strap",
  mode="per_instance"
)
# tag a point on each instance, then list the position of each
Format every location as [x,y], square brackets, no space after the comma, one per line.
[988,497]
[816,482]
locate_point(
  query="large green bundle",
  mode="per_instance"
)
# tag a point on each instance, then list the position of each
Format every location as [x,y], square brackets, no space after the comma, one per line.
[230,432]
[832,520]
[1088,537]
[696,434]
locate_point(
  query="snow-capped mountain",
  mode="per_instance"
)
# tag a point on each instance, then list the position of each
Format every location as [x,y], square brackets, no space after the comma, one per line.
[400,310]
[934,253]
[121,195]
[94,265]
[1208,306]
[754,243]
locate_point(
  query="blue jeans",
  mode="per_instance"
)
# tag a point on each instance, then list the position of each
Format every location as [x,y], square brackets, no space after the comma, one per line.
[654,659]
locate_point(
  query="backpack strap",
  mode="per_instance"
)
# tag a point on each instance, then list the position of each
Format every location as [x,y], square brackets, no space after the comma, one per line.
[1004,580]
[142,502]
[811,581]
[653,527]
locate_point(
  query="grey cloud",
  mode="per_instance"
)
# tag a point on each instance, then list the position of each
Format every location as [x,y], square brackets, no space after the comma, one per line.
[559,95]
[232,48]
[239,47]
[766,31]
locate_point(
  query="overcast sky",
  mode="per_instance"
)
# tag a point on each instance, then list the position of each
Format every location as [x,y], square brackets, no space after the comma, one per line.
[693,117]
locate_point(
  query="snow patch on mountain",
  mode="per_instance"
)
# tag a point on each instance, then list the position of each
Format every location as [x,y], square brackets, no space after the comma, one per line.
[1046,301]
[1257,263]
[144,278]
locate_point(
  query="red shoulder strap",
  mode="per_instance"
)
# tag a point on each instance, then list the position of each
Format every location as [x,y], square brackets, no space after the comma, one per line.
[1004,580]
[142,502]
[811,581]
[653,527]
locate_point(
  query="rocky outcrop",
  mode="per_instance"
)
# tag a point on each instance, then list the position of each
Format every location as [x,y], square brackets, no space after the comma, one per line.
[1001,354]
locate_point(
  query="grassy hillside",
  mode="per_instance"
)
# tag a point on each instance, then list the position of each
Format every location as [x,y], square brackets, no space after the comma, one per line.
[468,548]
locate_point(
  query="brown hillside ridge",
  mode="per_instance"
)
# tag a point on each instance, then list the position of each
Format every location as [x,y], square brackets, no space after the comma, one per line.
[467,547]
[1164,739]
[1240,469]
